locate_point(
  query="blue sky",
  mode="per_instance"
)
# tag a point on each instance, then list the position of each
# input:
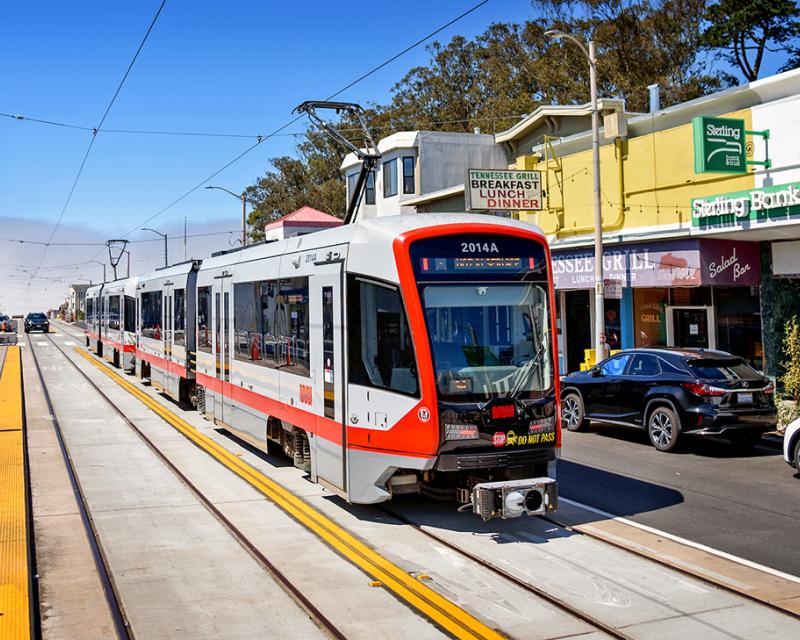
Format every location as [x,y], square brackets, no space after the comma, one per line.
[223,67]
[234,67]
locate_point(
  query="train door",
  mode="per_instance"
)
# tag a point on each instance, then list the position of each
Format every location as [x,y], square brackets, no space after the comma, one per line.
[222,321]
[327,375]
[167,333]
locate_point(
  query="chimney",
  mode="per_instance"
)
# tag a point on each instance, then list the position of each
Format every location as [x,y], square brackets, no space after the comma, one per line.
[655,99]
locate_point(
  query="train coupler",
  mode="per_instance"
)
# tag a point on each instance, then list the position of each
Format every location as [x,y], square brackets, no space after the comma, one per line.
[513,498]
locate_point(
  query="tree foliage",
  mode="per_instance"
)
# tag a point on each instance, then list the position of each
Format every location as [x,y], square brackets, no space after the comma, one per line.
[492,80]
[744,30]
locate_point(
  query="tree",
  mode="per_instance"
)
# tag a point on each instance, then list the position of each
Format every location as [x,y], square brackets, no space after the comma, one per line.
[638,42]
[745,29]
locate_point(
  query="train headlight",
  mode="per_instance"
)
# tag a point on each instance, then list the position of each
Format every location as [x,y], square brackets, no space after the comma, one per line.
[461,432]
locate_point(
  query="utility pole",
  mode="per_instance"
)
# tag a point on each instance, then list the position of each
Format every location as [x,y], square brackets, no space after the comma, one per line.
[599,301]
[184,238]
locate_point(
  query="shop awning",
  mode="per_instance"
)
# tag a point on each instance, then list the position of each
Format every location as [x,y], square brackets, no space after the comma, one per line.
[678,263]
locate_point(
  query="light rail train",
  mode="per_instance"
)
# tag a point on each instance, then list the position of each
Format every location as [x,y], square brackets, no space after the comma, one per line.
[404,354]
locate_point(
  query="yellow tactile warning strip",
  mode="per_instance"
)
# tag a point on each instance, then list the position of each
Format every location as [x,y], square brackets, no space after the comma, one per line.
[433,605]
[14,575]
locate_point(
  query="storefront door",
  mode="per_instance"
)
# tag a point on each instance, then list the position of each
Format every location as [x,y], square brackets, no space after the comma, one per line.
[579,334]
[691,327]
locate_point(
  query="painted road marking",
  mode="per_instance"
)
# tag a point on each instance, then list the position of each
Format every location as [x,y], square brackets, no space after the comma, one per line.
[69,343]
[41,344]
[684,541]
[424,599]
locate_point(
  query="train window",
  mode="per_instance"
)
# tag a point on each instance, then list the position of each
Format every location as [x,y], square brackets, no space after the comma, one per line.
[151,315]
[89,309]
[270,321]
[130,314]
[247,326]
[113,312]
[380,348]
[293,310]
[179,320]
[203,318]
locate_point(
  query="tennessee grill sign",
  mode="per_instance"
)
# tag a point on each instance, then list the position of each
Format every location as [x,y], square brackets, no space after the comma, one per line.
[503,190]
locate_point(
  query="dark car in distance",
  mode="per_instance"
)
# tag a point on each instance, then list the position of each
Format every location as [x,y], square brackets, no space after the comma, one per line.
[671,392]
[36,322]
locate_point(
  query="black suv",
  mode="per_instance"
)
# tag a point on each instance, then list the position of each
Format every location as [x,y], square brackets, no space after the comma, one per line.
[36,322]
[673,391]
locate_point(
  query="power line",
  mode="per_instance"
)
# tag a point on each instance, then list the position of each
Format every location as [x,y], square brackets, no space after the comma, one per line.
[94,132]
[251,136]
[299,117]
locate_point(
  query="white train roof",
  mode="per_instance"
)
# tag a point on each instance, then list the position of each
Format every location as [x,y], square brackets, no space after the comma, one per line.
[377,233]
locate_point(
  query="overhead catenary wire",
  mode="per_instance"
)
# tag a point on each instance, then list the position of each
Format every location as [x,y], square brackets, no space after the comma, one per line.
[94,132]
[259,140]
[282,128]
[421,122]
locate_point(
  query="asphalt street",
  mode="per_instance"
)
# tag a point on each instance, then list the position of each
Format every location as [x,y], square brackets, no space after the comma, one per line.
[744,504]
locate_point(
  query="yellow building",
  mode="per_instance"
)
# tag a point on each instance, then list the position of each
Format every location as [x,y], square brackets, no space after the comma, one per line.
[691,252]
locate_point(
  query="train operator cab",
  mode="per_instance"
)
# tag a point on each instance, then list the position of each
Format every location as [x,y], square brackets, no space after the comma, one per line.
[94,318]
[117,322]
[405,354]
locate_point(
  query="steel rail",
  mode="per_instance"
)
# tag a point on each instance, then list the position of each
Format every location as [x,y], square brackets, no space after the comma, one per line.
[612,631]
[292,590]
[121,623]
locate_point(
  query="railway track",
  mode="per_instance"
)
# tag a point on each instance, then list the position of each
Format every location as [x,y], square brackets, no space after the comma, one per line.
[603,627]
[121,625]
[561,604]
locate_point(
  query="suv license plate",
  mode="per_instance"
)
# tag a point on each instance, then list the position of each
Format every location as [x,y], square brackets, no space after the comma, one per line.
[745,398]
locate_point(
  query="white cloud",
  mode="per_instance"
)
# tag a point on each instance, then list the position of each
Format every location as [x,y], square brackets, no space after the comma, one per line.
[67,264]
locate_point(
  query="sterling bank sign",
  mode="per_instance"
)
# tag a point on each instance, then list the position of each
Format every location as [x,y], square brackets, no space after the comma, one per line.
[752,209]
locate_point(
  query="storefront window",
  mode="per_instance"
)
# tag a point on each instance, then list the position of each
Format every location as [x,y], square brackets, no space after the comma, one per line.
[612,328]
[739,323]
[649,312]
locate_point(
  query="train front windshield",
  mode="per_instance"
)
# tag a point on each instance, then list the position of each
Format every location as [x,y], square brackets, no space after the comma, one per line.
[487,312]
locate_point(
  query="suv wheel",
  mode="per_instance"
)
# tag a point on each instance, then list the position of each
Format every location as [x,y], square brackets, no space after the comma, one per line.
[572,412]
[797,456]
[664,428]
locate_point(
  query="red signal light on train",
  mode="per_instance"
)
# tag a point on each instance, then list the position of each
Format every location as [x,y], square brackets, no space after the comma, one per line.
[503,411]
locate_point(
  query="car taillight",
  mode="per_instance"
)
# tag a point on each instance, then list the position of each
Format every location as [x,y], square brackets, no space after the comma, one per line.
[768,390]
[702,389]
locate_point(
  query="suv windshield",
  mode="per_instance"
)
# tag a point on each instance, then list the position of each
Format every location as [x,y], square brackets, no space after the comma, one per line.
[36,316]
[728,369]
[488,339]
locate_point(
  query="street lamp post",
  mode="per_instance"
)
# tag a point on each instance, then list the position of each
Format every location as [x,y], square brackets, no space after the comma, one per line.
[599,302]
[102,264]
[244,209]
[163,235]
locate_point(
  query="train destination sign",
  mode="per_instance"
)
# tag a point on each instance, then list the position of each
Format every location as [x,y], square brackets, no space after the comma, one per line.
[503,190]
[719,145]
